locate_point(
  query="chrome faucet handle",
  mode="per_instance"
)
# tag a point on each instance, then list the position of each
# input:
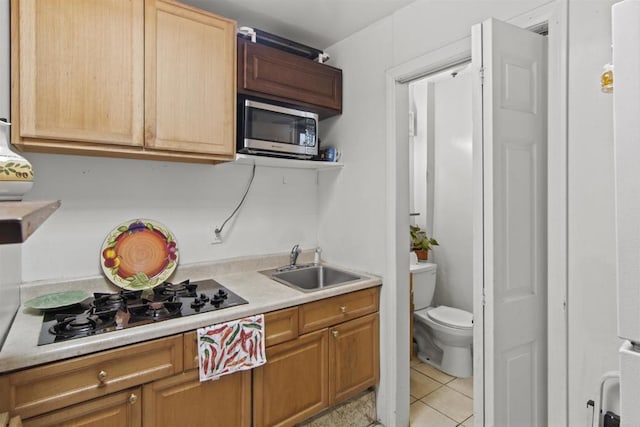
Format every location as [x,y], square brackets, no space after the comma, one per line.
[295,251]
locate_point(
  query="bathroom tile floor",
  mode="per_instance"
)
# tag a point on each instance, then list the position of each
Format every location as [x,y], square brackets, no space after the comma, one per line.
[438,399]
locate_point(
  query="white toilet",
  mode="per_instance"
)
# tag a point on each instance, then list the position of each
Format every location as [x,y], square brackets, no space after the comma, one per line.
[443,335]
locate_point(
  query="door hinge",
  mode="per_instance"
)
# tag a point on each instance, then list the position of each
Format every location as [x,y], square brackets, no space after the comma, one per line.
[484,298]
[481,75]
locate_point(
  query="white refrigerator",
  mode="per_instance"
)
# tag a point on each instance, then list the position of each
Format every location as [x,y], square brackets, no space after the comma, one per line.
[626,101]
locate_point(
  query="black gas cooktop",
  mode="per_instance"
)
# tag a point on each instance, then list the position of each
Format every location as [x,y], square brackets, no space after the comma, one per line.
[107,312]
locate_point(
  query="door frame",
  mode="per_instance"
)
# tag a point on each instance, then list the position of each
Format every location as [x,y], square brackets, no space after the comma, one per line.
[555,15]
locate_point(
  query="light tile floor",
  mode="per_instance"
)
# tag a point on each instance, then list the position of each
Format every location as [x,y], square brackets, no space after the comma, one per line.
[438,399]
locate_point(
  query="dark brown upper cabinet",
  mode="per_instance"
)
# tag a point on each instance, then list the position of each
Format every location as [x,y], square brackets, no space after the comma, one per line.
[273,74]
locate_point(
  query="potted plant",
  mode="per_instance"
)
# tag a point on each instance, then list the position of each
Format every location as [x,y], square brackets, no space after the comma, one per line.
[420,242]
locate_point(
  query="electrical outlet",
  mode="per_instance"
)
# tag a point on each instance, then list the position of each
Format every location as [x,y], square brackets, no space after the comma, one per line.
[216,238]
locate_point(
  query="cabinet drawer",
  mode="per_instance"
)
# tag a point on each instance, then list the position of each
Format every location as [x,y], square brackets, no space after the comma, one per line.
[38,390]
[280,326]
[123,409]
[331,311]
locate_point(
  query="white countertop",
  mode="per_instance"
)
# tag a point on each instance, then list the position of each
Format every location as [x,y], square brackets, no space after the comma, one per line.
[20,350]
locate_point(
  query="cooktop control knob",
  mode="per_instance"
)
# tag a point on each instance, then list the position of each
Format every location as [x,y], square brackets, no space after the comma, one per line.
[197,303]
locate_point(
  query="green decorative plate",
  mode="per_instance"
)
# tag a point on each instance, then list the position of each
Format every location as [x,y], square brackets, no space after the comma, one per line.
[139,254]
[57,300]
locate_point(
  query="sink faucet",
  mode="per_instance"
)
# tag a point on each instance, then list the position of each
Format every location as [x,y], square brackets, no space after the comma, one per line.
[293,257]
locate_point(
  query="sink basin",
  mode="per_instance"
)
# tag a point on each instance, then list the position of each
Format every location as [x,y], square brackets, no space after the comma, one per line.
[312,278]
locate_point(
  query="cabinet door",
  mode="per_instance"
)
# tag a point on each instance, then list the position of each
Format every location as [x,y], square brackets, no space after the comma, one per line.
[184,401]
[353,357]
[77,70]
[117,409]
[272,73]
[190,80]
[292,385]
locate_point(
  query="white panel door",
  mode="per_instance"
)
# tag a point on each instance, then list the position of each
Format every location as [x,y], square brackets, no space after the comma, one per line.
[513,275]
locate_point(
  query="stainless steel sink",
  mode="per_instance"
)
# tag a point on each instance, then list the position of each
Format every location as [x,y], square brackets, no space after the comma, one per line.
[311,277]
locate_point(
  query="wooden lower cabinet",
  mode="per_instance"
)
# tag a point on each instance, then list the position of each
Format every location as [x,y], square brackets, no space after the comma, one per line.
[183,400]
[292,385]
[157,383]
[121,409]
[320,368]
[353,357]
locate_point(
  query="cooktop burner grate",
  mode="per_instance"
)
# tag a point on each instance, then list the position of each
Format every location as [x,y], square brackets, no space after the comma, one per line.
[125,309]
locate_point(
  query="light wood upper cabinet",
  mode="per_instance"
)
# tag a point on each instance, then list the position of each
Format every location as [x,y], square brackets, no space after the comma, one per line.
[80,66]
[148,79]
[190,79]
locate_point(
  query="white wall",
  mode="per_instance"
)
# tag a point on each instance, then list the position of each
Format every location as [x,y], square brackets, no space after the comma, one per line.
[593,343]
[99,193]
[452,209]
[443,121]
[352,205]
[5,79]
[10,259]
[421,199]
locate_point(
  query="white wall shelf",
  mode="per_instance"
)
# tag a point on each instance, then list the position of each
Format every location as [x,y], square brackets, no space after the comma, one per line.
[277,162]
[18,220]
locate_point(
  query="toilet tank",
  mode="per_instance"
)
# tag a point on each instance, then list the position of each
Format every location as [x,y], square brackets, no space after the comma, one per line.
[424,284]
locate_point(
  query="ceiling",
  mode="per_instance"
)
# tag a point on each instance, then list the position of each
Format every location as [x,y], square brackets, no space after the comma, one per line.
[315,23]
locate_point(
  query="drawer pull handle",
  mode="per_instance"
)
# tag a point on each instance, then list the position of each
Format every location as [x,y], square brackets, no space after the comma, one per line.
[343,309]
[335,334]
[133,399]
[102,375]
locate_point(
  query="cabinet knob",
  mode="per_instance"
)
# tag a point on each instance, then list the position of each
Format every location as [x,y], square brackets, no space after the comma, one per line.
[343,309]
[102,375]
[195,359]
[335,334]
[133,399]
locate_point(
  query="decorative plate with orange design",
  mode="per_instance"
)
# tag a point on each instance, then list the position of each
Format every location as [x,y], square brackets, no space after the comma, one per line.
[139,254]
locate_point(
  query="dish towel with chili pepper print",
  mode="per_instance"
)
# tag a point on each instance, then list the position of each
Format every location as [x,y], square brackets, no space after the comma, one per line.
[232,346]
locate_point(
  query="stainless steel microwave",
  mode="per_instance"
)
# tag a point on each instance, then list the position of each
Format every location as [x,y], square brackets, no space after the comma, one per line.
[275,130]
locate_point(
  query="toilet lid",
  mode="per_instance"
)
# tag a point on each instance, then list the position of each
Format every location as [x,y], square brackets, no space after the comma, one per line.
[453,317]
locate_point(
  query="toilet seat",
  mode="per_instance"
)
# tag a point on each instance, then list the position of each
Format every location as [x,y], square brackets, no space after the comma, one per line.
[450,317]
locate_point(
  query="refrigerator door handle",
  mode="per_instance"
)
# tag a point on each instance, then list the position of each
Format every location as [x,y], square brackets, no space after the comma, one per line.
[596,420]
